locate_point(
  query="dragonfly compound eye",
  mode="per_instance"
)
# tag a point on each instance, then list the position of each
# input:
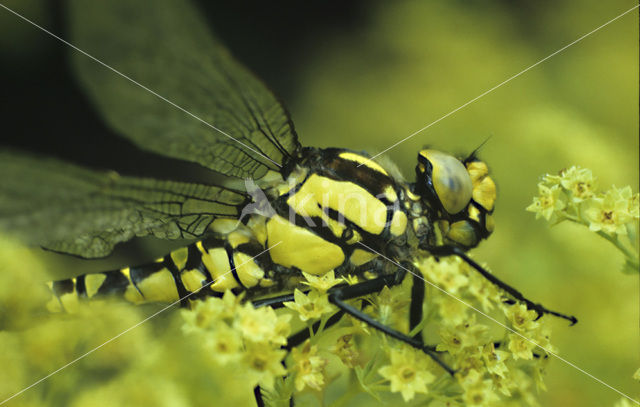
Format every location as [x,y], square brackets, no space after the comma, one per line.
[445,177]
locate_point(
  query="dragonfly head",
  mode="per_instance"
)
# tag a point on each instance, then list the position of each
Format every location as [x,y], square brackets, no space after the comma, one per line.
[459,194]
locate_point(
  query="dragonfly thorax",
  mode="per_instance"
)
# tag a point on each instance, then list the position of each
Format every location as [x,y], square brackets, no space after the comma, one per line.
[333,212]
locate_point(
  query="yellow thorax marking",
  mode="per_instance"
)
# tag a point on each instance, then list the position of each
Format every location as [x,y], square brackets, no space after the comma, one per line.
[301,248]
[349,199]
[363,160]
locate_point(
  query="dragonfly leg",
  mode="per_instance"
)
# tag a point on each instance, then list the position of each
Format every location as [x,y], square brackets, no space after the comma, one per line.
[417,304]
[274,302]
[338,295]
[539,308]
[257,393]
[304,334]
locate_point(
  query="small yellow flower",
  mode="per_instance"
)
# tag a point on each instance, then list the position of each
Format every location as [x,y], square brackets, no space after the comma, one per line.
[406,373]
[539,372]
[446,272]
[453,311]
[322,283]
[262,324]
[486,293]
[309,367]
[469,364]
[550,202]
[208,313]
[264,364]
[452,341]
[609,213]
[224,344]
[542,338]
[345,349]
[522,318]
[281,330]
[626,194]
[502,385]
[466,335]
[480,394]
[580,182]
[551,179]
[311,306]
[520,347]
[351,279]
[494,360]
[469,377]
[390,304]
[359,327]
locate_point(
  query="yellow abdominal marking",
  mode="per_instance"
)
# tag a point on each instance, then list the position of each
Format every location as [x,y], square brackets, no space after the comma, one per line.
[218,264]
[92,283]
[159,286]
[248,271]
[179,257]
[193,280]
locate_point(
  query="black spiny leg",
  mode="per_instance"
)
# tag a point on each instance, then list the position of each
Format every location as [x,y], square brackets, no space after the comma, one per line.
[338,295]
[304,334]
[417,303]
[274,302]
[539,308]
[258,395]
[293,340]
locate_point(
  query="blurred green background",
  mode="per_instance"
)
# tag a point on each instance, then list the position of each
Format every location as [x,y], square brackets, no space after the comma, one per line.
[364,76]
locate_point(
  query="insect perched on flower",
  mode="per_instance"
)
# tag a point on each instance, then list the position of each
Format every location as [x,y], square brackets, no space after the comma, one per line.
[304,265]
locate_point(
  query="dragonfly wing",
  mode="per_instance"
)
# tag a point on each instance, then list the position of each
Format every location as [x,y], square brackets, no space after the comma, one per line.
[191,100]
[83,212]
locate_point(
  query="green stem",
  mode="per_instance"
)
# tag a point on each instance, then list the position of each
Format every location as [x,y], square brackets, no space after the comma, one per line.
[616,242]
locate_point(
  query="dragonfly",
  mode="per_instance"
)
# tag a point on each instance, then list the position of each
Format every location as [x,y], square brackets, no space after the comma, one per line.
[161,79]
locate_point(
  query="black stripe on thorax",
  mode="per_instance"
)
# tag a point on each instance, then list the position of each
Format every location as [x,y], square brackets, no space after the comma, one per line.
[335,167]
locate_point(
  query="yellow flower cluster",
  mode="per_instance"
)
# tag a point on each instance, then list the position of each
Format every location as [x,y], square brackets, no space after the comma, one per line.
[230,346]
[108,354]
[405,372]
[492,369]
[573,195]
[308,367]
[315,304]
[239,334]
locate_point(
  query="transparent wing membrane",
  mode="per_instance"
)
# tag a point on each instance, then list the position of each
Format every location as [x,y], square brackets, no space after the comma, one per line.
[166,47]
[74,210]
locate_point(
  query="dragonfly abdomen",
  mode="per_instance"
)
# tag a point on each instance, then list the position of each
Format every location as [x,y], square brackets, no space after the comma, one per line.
[205,268]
